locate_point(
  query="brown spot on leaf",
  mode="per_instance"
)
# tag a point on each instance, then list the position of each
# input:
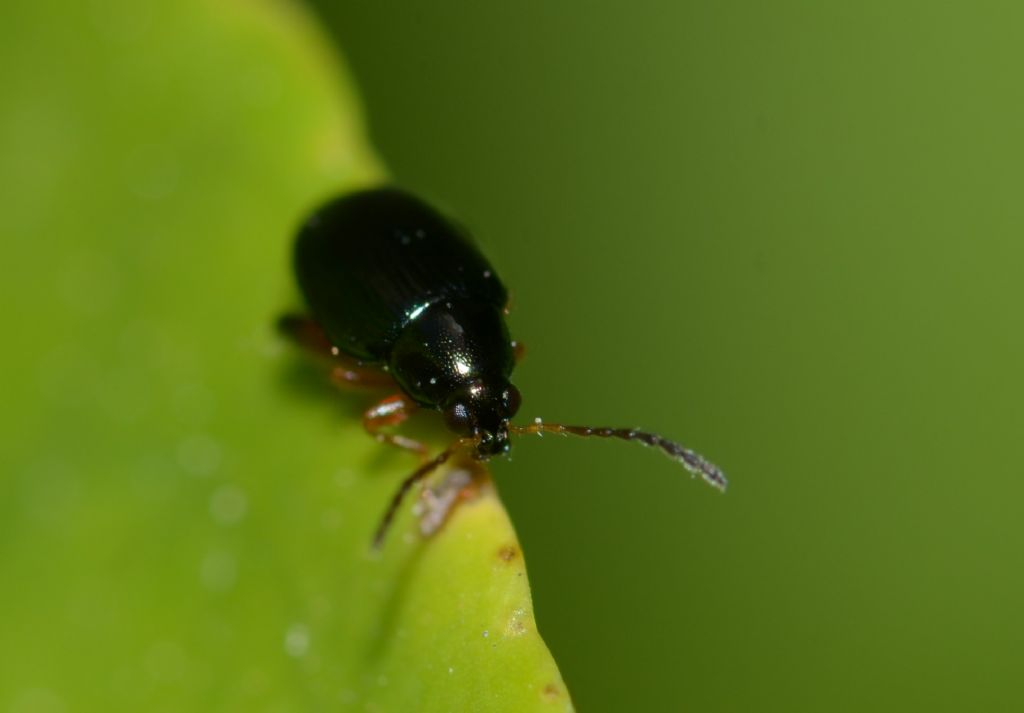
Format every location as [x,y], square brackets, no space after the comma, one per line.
[551,692]
[507,553]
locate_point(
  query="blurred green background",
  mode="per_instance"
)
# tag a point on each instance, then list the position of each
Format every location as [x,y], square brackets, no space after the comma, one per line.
[791,234]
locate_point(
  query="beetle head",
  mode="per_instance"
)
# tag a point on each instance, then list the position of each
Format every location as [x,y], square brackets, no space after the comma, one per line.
[481,411]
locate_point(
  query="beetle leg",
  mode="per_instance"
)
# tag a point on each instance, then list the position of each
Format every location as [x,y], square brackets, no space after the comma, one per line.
[392,411]
[305,332]
[345,371]
[518,350]
[350,374]
[439,501]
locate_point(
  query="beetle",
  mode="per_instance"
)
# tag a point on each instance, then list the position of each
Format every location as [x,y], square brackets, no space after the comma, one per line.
[400,297]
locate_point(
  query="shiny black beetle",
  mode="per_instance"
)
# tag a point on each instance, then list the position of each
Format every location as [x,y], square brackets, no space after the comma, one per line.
[399,296]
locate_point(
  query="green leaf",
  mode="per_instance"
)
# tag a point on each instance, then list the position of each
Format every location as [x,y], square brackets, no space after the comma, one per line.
[185,505]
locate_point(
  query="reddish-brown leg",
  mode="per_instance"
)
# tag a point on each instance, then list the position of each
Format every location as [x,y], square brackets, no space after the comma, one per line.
[349,374]
[345,370]
[518,350]
[392,411]
[507,309]
[439,501]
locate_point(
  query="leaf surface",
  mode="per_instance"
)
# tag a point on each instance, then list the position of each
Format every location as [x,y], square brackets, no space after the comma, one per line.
[185,505]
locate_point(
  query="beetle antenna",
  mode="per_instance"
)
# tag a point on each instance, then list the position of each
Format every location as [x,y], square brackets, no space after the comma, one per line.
[410,480]
[692,461]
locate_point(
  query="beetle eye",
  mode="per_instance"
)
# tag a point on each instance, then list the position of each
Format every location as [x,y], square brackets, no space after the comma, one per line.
[511,399]
[457,418]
